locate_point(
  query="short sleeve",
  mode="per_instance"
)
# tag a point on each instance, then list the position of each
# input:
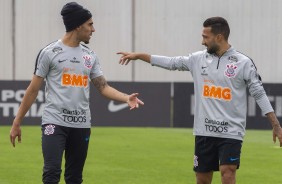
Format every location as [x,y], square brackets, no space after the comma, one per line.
[42,65]
[96,69]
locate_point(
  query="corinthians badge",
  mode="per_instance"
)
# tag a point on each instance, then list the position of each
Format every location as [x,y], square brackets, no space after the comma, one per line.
[230,70]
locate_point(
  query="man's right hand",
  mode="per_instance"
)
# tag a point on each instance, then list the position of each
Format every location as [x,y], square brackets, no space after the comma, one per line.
[127,56]
[15,132]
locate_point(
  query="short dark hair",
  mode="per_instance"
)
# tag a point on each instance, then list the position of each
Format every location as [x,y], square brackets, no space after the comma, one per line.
[218,26]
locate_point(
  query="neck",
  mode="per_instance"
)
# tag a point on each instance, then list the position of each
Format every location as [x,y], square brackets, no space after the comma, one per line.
[223,49]
[69,39]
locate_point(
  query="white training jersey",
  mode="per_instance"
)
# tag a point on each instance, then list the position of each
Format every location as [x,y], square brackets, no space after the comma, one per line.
[220,86]
[67,71]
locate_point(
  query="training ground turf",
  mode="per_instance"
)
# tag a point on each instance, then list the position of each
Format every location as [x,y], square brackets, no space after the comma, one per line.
[139,156]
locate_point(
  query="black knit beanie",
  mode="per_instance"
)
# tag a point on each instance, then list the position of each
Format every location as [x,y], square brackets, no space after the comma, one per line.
[74,15]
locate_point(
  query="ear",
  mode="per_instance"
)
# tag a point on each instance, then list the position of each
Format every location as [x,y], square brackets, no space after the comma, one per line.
[219,37]
[78,28]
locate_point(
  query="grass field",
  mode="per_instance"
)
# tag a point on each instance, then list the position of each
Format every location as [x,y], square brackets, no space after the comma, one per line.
[139,156]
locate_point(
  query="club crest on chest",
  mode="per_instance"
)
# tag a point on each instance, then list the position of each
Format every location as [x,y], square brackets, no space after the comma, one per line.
[230,70]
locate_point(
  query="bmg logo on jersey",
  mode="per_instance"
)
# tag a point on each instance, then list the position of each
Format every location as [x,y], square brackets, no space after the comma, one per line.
[217,92]
[74,116]
[75,80]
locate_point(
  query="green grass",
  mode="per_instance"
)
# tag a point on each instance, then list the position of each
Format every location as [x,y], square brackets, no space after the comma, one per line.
[138,156]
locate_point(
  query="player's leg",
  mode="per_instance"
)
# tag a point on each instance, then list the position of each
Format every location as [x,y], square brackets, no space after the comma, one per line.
[205,159]
[228,174]
[75,154]
[229,153]
[53,144]
[204,178]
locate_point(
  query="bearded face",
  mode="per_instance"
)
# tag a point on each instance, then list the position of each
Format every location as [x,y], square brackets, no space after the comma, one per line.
[212,48]
[209,40]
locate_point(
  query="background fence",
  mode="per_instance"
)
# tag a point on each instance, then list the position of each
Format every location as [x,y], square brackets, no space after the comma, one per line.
[167,105]
[165,27]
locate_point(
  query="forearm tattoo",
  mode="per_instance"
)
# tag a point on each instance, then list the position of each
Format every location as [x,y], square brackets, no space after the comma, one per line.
[100,83]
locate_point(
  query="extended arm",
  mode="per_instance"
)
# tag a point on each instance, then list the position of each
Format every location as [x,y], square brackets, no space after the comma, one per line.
[181,63]
[109,92]
[28,99]
[126,57]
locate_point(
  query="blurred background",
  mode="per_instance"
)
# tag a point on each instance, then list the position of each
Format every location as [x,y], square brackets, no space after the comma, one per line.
[164,27]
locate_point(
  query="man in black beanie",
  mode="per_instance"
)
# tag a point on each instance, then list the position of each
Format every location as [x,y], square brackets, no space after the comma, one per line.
[68,66]
[74,15]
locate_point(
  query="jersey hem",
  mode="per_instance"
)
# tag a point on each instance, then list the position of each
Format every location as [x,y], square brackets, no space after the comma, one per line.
[225,136]
[65,125]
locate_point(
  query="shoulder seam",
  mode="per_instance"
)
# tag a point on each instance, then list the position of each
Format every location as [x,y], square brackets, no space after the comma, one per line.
[252,62]
[37,57]
[248,57]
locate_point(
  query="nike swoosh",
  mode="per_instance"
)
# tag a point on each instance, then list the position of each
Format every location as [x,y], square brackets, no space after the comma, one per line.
[233,159]
[60,61]
[116,107]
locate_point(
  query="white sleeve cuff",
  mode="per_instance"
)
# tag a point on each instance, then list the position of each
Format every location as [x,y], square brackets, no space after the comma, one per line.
[161,61]
[265,105]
